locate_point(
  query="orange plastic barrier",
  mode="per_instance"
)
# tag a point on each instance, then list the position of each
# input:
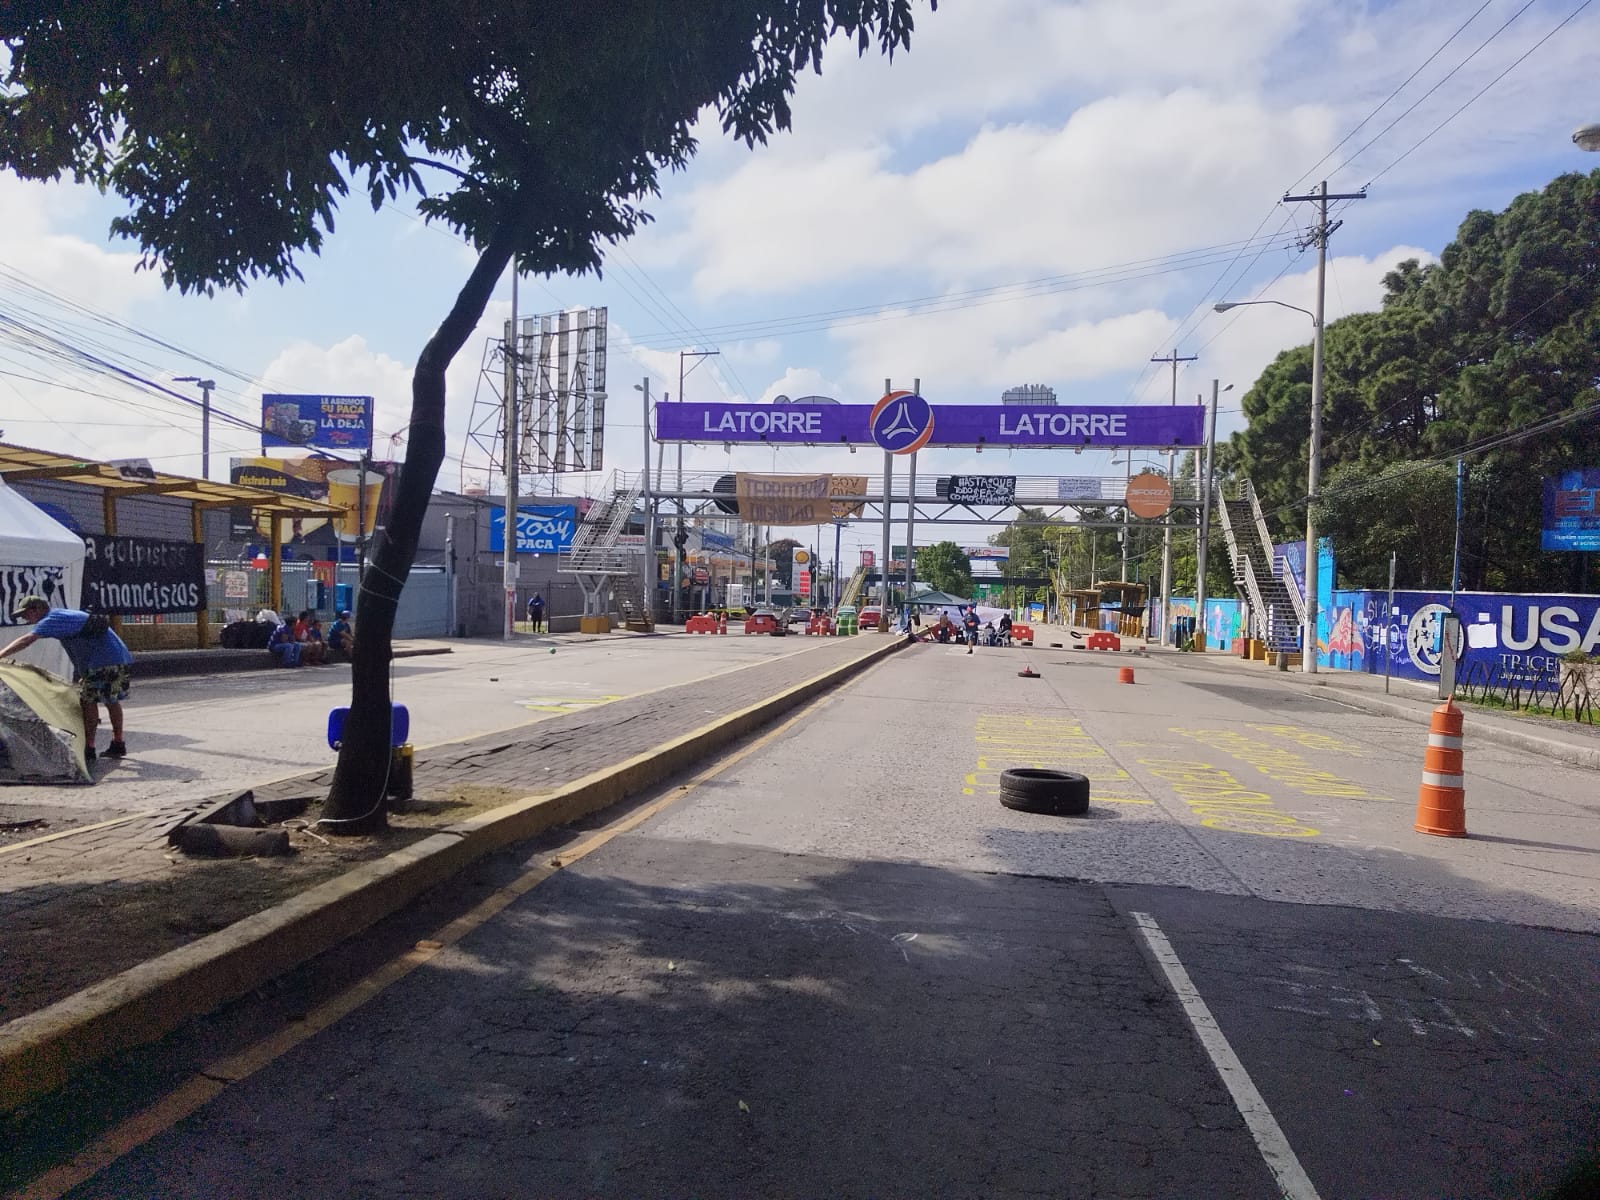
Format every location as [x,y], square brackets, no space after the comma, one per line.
[700,624]
[1022,633]
[761,623]
[1102,640]
[1441,800]
[820,626]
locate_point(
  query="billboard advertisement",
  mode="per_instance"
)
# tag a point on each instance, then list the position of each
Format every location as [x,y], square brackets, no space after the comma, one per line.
[541,528]
[363,497]
[320,422]
[1017,426]
[1572,511]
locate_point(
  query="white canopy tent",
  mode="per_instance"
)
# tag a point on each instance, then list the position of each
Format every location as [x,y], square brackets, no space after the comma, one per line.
[39,556]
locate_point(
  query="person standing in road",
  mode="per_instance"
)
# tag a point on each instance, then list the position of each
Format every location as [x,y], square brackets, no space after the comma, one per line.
[969,620]
[536,611]
[99,659]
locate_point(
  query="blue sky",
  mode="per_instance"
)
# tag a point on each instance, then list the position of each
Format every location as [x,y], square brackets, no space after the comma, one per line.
[1019,140]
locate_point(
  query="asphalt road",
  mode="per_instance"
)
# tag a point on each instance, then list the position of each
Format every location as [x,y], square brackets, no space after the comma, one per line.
[833,965]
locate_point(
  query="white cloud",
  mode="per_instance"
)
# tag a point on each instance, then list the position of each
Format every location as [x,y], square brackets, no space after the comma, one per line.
[1125,178]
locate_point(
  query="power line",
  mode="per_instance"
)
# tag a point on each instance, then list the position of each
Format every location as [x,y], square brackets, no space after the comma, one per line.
[1440,83]
[1384,104]
[1479,93]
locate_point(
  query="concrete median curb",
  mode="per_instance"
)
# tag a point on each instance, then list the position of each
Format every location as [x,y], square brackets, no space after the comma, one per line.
[39,1051]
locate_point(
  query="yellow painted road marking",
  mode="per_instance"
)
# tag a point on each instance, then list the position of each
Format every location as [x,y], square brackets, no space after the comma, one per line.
[1058,743]
[1222,802]
[207,1083]
[1312,740]
[567,704]
[1284,766]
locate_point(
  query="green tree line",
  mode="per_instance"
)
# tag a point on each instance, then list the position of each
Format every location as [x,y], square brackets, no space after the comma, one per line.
[1490,355]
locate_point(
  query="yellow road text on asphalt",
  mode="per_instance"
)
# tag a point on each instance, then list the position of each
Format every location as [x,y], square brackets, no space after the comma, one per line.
[1057,743]
[1222,802]
[1312,740]
[1284,766]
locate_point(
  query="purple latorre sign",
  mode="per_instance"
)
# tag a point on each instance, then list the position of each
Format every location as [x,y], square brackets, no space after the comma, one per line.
[1034,426]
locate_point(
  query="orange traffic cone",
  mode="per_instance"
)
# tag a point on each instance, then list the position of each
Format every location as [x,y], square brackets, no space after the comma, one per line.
[722,624]
[1441,801]
[1124,674]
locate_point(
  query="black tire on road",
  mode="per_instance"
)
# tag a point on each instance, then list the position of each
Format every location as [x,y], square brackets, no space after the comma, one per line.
[1036,790]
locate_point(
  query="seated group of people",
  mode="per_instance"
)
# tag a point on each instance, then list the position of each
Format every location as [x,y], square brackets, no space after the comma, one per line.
[302,641]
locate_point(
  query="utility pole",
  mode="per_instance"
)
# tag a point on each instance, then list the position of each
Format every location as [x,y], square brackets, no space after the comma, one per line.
[681,537]
[1319,237]
[513,382]
[1203,541]
[1166,534]
[205,386]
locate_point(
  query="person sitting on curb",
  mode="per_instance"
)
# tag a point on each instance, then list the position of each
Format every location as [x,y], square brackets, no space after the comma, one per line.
[99,657]
[342,638]
[282,645]
[313,650]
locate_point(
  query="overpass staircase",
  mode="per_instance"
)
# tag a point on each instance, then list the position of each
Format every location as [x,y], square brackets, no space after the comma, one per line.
[606,570]
[1277,608]
[852,590]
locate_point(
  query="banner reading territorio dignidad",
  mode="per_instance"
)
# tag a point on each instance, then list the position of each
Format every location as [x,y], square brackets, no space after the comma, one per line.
[784,499]
[133,576]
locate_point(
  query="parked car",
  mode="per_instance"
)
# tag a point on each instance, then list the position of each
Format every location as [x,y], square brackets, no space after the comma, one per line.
[798,616]
[870,617]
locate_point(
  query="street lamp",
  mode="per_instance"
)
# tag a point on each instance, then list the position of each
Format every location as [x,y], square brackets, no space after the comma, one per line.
[1587,137]
[1308,631]
[205,386]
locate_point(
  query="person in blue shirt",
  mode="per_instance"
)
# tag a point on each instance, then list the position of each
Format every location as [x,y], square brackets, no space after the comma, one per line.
[536,611]
[99,659]
[342,638]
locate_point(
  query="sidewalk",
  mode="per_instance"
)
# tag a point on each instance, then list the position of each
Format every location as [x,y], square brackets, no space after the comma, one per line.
[1569,742]
[217,660]
[80,907]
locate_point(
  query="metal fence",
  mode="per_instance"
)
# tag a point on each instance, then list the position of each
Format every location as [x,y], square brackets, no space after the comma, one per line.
[1568,699]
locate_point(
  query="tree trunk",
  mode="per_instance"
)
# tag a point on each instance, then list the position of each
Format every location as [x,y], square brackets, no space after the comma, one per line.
[355,803]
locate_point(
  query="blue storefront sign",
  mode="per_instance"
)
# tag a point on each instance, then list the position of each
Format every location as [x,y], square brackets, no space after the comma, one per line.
[325,422]
[1572,511]
[541,528]
[1018,426]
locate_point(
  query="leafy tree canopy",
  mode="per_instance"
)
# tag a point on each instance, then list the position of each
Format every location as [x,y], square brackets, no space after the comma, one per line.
[1464,355]
[943,566]
[535,131]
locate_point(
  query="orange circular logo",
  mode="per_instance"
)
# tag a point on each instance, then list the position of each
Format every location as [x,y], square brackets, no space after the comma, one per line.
[1148,495]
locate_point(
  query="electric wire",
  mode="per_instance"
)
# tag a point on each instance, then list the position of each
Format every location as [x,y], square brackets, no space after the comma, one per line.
[1437,85]
[1390,97]
[1476,96]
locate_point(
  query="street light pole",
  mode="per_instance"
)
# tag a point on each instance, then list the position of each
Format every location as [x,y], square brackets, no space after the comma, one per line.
[205,386]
